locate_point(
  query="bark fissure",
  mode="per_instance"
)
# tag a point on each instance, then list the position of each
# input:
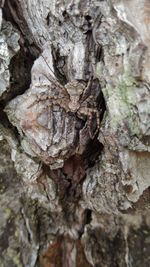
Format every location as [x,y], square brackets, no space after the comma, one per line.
[74,133]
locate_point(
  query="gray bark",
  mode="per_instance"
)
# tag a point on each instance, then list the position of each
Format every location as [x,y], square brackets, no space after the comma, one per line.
[74,133]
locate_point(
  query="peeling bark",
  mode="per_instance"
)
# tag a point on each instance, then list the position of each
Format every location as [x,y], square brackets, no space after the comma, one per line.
[74,133]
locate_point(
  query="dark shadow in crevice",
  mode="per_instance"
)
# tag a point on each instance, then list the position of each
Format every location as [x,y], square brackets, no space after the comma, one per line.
[21,63]
[20,75]
[12,12]
[92,153]
[59,64]
[87,220]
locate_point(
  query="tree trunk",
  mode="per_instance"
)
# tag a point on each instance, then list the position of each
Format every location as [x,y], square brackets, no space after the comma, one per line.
[74,133]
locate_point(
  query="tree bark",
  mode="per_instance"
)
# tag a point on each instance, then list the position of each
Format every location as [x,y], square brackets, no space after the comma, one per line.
[74,133]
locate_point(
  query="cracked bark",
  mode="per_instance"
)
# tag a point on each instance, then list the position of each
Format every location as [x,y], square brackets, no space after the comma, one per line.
[73,194]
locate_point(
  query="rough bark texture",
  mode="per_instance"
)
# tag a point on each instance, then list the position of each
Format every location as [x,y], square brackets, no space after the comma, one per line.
[74,133]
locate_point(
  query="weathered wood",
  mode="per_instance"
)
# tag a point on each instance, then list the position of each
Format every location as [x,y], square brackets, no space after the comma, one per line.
[74,133]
